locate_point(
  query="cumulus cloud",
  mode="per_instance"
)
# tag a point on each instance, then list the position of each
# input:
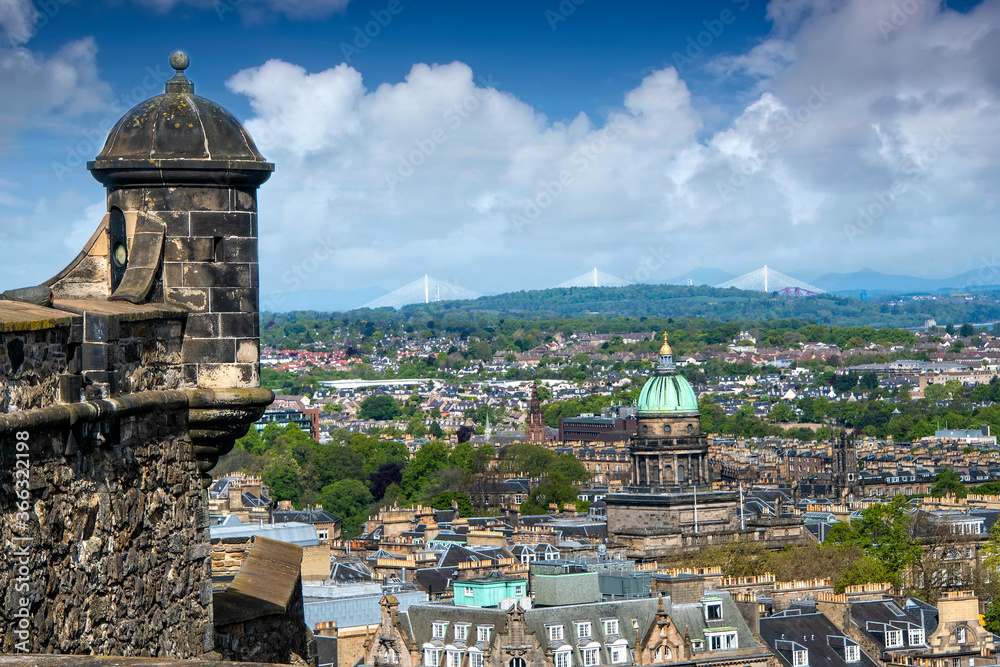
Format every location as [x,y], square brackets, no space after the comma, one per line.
[49,89]
[17,20]
[843,152]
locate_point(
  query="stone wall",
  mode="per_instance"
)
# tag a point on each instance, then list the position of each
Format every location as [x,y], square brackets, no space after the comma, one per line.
[228,555]
[113,558]
[280,637]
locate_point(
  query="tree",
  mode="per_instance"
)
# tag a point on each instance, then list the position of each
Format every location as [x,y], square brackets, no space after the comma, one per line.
[379,408]
[936,392]
[552,489]
[443,500]
[869,381]
[350,499]
[429,459]
[966,330]
[780,412]
[948,481]
[883,533]
[568,467]
[333,408]
[416,426]
[282,476]
[435,430]
[252,442]
[464,433]
[991,567]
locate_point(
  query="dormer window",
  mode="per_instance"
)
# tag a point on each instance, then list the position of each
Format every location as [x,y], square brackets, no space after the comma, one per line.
[555,633]
[800,658]
[438,628]
[916,636]
[610,626]
[582,629]
[852,653]
[461,632]
[713,609]
[893,638]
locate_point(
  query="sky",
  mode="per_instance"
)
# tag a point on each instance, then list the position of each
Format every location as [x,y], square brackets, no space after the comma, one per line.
[507,145]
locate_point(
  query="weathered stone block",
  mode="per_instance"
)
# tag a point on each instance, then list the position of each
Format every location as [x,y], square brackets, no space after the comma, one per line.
[247,351]
[127,199]
[192,298]
[203,326]
[187,199]
[240,250]
[209,350]
[240,325]
[200,249]
[205,223]
[173,274]
[233,300]
[177,222]
[211,275]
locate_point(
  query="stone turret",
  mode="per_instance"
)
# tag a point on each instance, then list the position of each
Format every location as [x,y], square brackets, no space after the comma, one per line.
[182,176]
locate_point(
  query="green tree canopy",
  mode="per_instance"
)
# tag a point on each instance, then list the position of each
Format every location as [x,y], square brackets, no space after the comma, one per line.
[948,481]
[379,408]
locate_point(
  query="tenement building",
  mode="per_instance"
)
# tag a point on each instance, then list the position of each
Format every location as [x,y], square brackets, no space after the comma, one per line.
[670,506]
[122,380]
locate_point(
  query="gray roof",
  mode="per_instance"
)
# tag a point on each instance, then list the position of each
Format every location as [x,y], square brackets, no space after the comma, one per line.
[301,534]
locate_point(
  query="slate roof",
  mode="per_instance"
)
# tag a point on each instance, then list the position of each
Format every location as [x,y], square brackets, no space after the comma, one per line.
[303,516]
[814,632]
[875,617]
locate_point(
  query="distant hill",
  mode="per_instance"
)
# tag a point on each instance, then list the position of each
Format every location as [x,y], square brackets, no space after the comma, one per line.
[874,281]
[673,301]
[702,276]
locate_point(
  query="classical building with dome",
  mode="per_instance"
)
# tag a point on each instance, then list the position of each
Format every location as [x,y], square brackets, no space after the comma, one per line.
[671,506]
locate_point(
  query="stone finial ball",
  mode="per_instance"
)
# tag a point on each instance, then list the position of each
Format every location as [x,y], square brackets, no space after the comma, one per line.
[179,60]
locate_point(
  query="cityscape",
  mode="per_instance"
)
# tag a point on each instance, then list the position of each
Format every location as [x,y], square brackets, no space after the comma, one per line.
[365,333]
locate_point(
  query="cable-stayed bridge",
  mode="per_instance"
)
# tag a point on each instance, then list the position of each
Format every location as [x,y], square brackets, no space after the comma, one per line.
[422,290]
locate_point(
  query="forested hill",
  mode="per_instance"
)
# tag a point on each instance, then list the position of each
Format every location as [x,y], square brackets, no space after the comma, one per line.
[675,301]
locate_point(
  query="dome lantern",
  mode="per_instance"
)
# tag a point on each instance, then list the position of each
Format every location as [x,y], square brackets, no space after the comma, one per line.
[179,138]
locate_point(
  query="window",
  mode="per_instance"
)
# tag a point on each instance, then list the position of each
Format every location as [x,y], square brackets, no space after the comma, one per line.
[916,636]
[800,658]
[893,638]
[438,628]
[852,653]
[555,632]
[563,658]
[475,659]
[454,658]
[960,634]
[635,623]
[722,641]
[519,591]
[432,656]
[619,654]
[461,632]
[590,657]
[713,610]
[483,633]
[582,629]
[610,626]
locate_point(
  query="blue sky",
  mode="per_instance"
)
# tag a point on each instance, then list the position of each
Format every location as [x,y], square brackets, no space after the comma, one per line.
[644,138]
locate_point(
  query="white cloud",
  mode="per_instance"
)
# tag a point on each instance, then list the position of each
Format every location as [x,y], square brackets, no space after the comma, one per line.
[442,174]
[17,21]
[49,89]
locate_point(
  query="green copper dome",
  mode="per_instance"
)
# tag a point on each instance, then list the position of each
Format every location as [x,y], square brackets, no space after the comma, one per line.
[667,394]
